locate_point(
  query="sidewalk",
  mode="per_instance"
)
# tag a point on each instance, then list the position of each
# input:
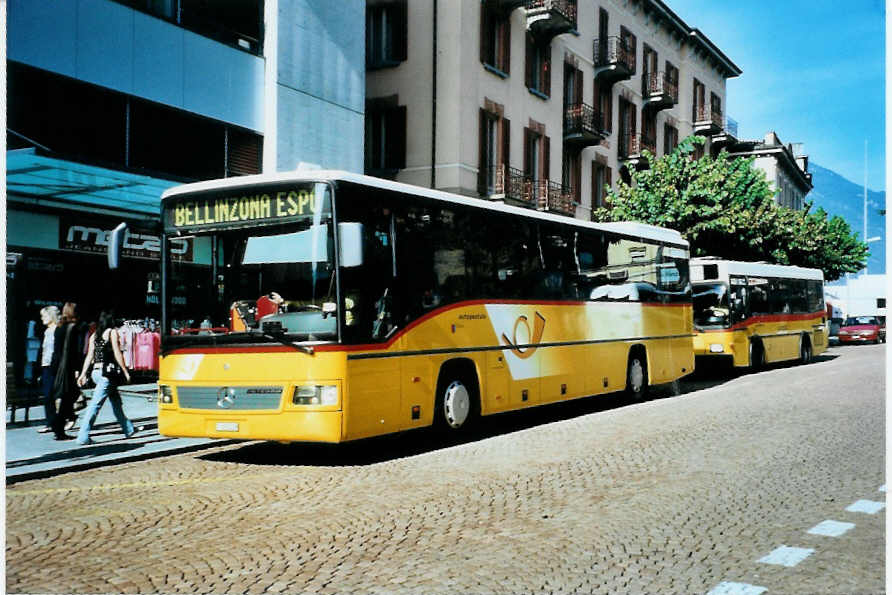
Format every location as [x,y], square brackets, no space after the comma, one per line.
[30,454]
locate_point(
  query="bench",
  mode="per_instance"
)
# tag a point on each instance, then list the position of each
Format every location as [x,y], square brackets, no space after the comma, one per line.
[28,396]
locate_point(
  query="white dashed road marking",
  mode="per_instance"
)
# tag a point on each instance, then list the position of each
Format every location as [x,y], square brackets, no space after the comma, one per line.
[727,588]
[866,506]
[787,556]
[831,528]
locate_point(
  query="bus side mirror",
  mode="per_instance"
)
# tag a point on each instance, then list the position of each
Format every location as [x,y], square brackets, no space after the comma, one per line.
[350,235]
[115,241]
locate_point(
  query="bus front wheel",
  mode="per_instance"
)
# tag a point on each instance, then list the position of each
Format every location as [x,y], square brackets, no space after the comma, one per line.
[636,375]
[456,406]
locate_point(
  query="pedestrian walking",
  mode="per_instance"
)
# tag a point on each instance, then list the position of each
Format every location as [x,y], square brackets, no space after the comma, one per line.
[49,362]
[106,361]
[65,388]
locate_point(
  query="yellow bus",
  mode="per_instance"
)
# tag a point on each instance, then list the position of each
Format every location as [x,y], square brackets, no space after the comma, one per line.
[327,306]
[752,313]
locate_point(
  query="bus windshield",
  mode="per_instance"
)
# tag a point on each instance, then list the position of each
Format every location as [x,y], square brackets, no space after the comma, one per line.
[711,305]
[254,283]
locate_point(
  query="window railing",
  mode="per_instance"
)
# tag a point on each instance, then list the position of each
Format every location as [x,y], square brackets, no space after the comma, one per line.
[613,51]
[657,83]
[731,126]
[628,145]
[566,8]
[510,182]
[581,118]
[706,114]
[649,143]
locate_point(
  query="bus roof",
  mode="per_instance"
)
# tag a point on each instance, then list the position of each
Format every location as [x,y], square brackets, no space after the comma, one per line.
[763,269]
[626,228]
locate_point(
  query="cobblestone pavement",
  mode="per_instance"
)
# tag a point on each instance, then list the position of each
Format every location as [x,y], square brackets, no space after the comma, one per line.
[674,495]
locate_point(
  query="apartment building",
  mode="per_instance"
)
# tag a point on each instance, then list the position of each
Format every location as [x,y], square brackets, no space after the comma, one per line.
[785,167]
[534,102]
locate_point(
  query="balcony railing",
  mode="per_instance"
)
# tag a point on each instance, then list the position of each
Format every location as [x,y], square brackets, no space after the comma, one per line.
[551,196]
[510,183]
[614,59]
[548,18]
[707,118]
[630,146]
[658,88]
[583,125]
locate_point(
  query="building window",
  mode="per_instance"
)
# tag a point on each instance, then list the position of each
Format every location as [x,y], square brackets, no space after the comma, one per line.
[571,174]
[649,130]
[79,121]
[630,43]
[648,67]
[538,67]
[881,302]
[672,80]
[495,39]
[601,179]
[670,138]
[536,154]
[386,34]
[494,143]
[715,105]
[627,129]
[603,98]
[238,24]
[699,103]
[385,137]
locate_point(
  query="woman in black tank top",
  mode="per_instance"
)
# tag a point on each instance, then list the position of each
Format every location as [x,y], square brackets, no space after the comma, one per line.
[104,355]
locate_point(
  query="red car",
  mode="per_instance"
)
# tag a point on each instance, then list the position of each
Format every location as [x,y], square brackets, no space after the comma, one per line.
[858,329]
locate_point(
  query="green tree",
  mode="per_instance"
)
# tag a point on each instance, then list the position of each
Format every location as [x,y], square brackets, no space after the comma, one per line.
[724,207]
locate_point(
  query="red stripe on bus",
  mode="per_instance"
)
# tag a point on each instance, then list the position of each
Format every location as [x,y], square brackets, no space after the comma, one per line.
[412,325]
[766,318]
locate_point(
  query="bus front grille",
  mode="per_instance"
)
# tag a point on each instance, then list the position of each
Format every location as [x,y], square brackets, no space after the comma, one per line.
[230,398]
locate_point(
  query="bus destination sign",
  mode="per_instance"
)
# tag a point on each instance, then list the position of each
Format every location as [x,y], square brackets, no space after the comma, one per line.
[256,208]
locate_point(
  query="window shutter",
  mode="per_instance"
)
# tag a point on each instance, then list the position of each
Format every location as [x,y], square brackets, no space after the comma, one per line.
[244,153]
[608,176]
[481,160]
[546,158]
[577,178]
[401,31]
[633,41]
[546,66]
[506,45]
[633,119]
[395,143]
[506,141]
[578,98]
[528,65]
[594,203]
[526,152]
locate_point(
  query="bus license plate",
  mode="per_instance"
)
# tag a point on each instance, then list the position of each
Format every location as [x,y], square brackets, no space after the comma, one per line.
[227,426]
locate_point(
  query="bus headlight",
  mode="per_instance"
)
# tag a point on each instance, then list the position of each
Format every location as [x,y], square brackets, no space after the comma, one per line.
[315,395]
[165,393]
[716,348]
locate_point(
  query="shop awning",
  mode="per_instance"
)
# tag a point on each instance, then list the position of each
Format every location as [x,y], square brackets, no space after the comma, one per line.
[50,182]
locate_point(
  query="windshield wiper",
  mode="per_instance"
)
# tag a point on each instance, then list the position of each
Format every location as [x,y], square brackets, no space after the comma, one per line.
[280,337]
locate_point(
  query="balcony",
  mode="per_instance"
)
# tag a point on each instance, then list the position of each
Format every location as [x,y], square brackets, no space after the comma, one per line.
[659,91]
[727,137]
[614,60]
[549,18]
[707,122]
[554,197]
[630,149]
[504,6]
[583,126]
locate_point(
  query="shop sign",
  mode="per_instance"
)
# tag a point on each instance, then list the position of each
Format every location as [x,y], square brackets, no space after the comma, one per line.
[93,237]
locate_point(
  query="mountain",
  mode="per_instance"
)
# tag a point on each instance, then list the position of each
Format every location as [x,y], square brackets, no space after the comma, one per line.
[839,196]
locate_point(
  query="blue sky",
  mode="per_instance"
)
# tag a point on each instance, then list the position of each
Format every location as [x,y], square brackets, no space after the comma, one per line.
[814,72]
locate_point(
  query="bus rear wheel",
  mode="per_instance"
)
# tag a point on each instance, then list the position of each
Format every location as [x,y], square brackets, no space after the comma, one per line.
[757,356]
[456,407]
[636,375]
[805,351]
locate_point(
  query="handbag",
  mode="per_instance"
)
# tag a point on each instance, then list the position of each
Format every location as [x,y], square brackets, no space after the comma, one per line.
[113,372]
